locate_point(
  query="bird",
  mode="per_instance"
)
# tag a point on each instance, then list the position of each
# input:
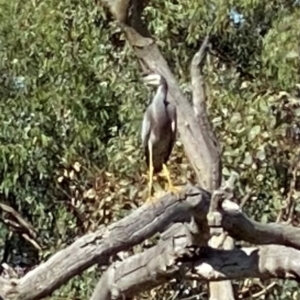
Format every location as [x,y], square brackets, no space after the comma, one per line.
[159,130]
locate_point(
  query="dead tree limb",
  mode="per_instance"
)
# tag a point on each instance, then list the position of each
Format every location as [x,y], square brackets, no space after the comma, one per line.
[213,158]
[145,270]
[197,135]
[195,144]
[219,238]
[196,132]
[177,258]
[141,224]
[16,223]
[218,290]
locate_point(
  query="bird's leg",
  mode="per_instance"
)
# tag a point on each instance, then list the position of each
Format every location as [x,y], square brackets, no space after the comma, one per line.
[171,187]
[150,198]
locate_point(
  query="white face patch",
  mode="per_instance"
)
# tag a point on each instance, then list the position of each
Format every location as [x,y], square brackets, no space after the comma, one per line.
[173,126]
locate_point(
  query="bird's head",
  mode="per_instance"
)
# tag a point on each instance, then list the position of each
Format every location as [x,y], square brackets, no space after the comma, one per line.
[153,79]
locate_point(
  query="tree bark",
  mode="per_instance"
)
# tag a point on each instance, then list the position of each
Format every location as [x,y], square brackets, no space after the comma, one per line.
[176,258]
[196,133]
[141,224]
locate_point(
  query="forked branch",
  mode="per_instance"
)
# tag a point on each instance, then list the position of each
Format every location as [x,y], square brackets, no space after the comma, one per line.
[135,228]
[176,254]
[200,150]
[177,258]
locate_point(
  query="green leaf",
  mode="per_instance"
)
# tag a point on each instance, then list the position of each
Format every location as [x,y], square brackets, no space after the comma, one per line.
[254,132]
[292,54]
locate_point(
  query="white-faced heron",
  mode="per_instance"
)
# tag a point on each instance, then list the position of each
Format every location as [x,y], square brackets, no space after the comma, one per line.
[159,130]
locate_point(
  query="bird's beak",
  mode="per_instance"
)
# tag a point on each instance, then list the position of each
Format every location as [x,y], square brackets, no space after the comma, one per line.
[151,79]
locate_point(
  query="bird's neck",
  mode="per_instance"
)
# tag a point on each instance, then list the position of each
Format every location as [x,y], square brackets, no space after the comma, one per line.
[160,97]
[163,90]
[159,103]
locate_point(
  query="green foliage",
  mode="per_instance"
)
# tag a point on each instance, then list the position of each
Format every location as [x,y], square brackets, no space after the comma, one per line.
[281,51]
[72,104]
[65,101]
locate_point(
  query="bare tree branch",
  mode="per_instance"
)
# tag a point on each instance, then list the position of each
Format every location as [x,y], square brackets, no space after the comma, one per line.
[198,138]
[133,229]
[195,145]
[220,290]
[175,257]
[11,218]
[145,270]
[99,246]
[223,289]
[198,85]
[213,156]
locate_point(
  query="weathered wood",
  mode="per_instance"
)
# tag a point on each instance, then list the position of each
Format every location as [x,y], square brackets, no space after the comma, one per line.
[196,133]
[145,270]
[212,162]
[175,257]
[202,151]
[141,224]
[223,289]
[220,290]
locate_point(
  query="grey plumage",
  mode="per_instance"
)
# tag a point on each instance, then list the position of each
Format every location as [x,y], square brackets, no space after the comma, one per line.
[159,126]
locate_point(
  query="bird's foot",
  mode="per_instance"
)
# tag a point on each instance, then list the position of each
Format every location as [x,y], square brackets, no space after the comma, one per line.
[173,189]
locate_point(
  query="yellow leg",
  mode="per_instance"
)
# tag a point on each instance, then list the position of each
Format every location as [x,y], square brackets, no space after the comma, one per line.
[171,187]
[150,198]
